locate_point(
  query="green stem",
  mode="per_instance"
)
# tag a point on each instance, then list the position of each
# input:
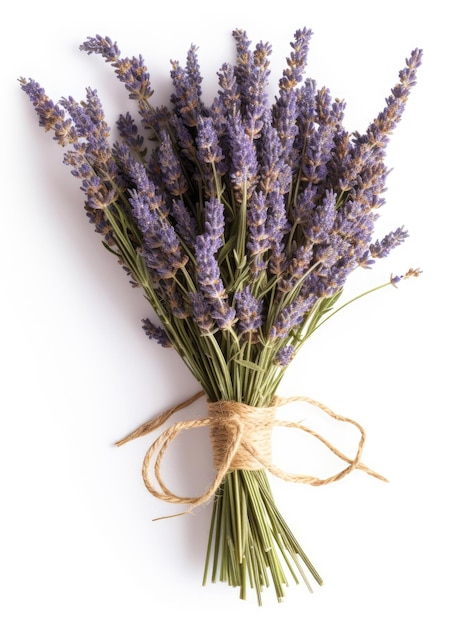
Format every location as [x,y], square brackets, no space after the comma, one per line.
[361,295]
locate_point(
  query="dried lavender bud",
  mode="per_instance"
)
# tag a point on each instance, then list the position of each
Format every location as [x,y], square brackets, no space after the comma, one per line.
[133,73]
[202,313]
[317,225]
[187,89]
[211,160]
[320,142]
[162,250]
[228,100]
[185,223]
[214,224]
[172,176]
[210,282]
[156,333]
[129,132]
[51,116]
[248,311]
[285,114]
[297,60]
[411,273]
[291,317]
[275,174]
[277,227]
[381,249]
[257,243]
[244,165]
[209,150]
[300,262]
[252,77]
[284,356]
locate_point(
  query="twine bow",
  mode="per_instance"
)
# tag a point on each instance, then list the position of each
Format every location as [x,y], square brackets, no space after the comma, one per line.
[241,439]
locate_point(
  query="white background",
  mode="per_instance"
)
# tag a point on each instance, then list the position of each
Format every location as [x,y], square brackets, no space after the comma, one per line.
[77,542]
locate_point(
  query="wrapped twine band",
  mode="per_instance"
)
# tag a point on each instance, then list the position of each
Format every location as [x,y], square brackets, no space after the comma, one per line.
[241,439]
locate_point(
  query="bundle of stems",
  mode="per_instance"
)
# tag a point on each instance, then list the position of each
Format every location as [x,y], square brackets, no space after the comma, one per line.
[241,221]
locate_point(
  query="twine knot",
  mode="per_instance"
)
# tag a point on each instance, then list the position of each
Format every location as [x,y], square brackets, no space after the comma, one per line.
[254,425]
[241,439]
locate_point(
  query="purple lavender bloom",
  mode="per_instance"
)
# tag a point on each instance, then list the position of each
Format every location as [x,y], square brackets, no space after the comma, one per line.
[185,223]
[136,177]
[51,116]
[187,148]
[173,298]
[133,73]
[202,313]
[187,89]
[88,119]
[208,271]
[214,224]
[228,101]
[243,67]
[210,282]
[156,333]
[297,60]
[171,172]
[291,317]
[212,165]
[248,311]
[277,227]
[369,149]
[244,165]
[252,73]
[258,102]
[317,222]
[129,132]
[297,266]
[209,150]
[386,121]
[307,114]
[304,206]
[162,249]
[100,194]
[284,356]
[275,173]
[320,143]
[91,127]
[285,115]
[257,242]
[381,249]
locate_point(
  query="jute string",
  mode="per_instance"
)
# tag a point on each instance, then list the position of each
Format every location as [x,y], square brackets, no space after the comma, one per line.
[241,439]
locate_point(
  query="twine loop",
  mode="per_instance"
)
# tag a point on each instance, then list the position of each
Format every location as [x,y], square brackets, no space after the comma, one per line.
[241,439]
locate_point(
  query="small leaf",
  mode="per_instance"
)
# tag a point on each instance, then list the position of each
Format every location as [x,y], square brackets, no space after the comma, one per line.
[250,365]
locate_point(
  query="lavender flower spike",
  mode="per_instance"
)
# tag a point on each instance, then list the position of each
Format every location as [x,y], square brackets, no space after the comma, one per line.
[171,171]
[381,249]
[133,73]
[297,61]
[210,282]
[249,312]
[284,356]
[244,167]
[51,116]
[378,132]
[291,317]
[157,333]
[187,89]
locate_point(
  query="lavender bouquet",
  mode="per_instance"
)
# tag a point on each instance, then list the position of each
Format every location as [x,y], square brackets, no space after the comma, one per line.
[240,220]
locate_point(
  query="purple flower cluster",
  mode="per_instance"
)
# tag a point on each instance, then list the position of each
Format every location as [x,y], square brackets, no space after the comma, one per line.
[240,215]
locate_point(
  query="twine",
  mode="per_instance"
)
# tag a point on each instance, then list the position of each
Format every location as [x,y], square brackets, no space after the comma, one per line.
[241,439]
